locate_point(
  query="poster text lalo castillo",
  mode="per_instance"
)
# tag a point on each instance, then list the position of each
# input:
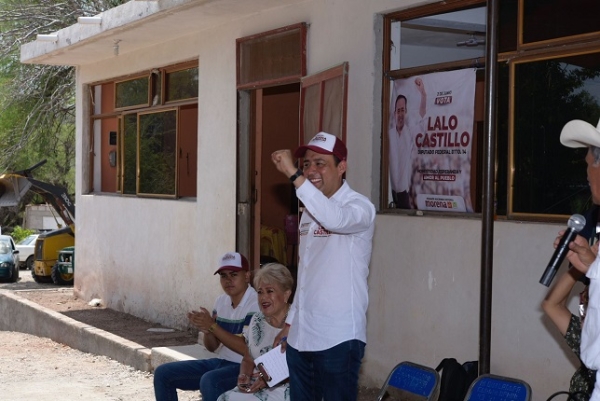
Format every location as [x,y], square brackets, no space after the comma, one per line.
[442,134]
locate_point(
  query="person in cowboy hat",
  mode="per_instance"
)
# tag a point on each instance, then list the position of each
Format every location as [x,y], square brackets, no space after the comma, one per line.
[578,134]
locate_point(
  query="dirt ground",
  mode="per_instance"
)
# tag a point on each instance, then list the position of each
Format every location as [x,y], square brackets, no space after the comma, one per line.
[32,367]
[121,324]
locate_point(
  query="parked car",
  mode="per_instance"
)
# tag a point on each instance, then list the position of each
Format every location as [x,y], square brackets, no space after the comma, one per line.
[26,248]
[9,259]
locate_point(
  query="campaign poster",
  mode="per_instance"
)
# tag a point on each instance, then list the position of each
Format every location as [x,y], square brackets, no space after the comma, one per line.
[429,141]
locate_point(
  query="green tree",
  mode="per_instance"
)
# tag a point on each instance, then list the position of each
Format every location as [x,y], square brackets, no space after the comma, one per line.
[37,102]
[19,233]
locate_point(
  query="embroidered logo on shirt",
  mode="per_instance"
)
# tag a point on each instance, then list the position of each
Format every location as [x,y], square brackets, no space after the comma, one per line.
[304,229]
[321,232]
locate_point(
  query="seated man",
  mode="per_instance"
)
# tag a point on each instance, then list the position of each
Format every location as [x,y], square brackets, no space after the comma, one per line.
[231,313]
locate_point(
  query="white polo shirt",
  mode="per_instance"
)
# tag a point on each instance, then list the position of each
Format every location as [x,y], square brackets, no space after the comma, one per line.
[234,320]
[331,299]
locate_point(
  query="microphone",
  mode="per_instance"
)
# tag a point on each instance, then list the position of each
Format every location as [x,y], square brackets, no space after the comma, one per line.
[575,224]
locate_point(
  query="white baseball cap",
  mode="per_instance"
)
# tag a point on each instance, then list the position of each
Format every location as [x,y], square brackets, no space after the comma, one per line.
[233,261]
[325,144]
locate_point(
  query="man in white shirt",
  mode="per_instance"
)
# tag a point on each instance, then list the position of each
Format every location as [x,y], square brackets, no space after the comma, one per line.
[578,134]
[401,145]
[222,331]
[326,326]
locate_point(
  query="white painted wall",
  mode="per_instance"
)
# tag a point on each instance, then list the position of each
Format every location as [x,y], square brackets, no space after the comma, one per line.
[155,258]
[42,217]
[424,290]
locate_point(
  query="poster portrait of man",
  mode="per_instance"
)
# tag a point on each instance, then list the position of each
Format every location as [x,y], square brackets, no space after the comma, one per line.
[429,141]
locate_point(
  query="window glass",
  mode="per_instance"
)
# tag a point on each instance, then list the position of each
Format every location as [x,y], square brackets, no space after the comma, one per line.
[158,148]
[538,91]
[502,137]
[507,29]
[158,158]
[129,149]
[311,111]
[133,92]
[548,94]
[181,84]
[546,19]
[439,38]
[272,57]
[323,102]
[28,240]
[333,93]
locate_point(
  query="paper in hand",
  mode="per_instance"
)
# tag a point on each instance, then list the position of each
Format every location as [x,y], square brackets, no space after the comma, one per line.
[274,365]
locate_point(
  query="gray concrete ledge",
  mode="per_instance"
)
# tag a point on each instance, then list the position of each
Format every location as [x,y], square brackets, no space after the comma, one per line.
[22,315]
[162,355]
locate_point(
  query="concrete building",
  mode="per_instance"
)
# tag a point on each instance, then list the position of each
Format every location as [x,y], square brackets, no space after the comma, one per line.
[42,218]
[150,250]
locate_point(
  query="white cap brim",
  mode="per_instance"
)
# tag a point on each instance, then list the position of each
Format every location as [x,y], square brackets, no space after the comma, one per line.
[580,134]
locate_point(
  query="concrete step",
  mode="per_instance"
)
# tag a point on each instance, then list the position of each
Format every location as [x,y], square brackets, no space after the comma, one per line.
[162,355]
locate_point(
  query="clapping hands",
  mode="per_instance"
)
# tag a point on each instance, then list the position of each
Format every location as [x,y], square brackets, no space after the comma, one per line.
[201,319]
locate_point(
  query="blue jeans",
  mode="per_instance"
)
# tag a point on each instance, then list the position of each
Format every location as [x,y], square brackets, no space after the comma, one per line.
[328,375]
[211,376]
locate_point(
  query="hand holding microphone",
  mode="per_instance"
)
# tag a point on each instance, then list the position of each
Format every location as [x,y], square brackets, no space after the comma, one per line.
[575,224]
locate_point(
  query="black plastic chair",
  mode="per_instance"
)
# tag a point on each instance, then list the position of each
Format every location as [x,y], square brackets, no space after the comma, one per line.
[411,381]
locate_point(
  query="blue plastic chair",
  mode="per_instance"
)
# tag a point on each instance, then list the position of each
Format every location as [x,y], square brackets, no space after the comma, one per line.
[412,381]
[489,387]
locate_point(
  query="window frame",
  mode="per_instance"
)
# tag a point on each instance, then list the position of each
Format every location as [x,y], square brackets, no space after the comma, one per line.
[132,106]
[109,112]
[319,80]
[140,162]
[174,69]
[390,75]
[262,79]
[520,53]
[512,162]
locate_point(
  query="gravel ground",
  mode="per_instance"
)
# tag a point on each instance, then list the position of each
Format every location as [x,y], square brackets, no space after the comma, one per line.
[39,369]
[34,369]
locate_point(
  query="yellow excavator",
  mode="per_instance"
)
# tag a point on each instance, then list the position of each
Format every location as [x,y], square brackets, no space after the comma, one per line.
[46,268]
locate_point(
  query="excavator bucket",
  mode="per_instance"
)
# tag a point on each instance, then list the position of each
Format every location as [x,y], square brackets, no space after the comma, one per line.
[12,189]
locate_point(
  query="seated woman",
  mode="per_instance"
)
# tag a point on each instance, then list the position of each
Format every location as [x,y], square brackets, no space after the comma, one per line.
[273,283]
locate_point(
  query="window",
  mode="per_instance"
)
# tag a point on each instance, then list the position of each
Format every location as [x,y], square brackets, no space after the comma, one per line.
[132,93]
[146,148]
[323,101]
[545,20]
[128,154]
[271,58]
[182,84]
[550,178]
[432,122]
[157,152]
[548,74]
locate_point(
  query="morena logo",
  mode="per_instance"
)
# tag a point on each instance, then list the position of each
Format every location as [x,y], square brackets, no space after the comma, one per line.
[229,256]
[320,138]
